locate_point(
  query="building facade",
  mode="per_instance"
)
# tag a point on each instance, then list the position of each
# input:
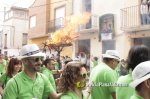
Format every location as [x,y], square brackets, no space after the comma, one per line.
[45,18]
[15,30]
[39,15]
[132,23]
[115,25]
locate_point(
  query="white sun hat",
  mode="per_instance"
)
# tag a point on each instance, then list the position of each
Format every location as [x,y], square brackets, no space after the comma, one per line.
[30,50]
[111,54]
[140,73]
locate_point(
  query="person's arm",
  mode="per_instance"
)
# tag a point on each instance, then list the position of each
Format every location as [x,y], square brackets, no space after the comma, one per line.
[56,71]
[89,90]
[3,80]
[87,94]
[1,89]
[110,77]
[54,95]
[92,59]
[10,91]
[113,95]
[49,89]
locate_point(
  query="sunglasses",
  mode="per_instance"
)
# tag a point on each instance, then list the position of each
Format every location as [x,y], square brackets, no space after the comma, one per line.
[117,61]
[84,75]
[36,59]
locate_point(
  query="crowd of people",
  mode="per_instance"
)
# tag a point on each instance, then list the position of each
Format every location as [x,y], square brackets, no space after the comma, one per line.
[32,76]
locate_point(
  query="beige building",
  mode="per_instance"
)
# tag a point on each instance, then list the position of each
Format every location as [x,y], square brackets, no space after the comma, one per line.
[59,11]
[114,25]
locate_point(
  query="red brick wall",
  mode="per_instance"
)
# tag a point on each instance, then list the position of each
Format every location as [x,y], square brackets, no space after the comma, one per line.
[41,8]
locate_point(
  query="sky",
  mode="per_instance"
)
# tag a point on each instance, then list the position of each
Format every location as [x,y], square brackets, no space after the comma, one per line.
[9,3]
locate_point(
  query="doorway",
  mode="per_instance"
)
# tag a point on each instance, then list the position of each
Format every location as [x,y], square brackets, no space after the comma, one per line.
[142,41]
[84,46]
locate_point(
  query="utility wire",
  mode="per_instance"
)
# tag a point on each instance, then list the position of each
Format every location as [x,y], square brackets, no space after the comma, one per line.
[48,4]
[43,4]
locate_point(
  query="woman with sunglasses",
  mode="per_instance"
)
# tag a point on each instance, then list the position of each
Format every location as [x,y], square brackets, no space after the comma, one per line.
[13,68]
[73,81]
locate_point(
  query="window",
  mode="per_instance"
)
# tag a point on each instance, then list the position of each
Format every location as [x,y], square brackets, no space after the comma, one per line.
[108,45]
[5,53]
[16,14]
[27,15]
[24,39]
[32,21]
[59,17]
[5,40]
[22,14]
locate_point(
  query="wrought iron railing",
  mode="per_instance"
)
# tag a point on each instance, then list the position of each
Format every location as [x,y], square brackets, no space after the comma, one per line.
[130,17]
[55,25]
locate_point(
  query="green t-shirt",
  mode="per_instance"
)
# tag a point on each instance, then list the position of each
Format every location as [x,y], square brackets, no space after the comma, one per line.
[56,66]
[117,69]
[125,92]
[95,63]
[72,95]
[23,87]
[42,68]
[4,78]
[2,67]
[50,76]
[135,96]
[102,74]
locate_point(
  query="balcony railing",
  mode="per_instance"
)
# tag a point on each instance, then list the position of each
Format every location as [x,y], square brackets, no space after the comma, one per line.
[55,25]
[131,19]
[90,25]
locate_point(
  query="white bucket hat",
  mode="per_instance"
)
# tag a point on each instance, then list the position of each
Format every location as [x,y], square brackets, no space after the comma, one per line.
[111,54]
[30,50]
[140,73]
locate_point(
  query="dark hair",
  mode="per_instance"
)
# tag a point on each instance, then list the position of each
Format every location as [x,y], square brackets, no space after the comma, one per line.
[107,60]
[137,54]
[67,61]
[48,60]
[70,73]
[12,63]
[138,87]
[95,58]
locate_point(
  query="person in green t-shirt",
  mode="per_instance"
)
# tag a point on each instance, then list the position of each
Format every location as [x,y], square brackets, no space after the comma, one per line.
[30,83]
[56,65]
[13,68]
[73,81]
[50,65]
[95,62]
[104,74]
[141,82]
[136,55]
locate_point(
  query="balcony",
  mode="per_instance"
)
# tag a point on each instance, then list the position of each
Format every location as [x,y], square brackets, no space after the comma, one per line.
[131,20]
[90,27]
[55,25]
